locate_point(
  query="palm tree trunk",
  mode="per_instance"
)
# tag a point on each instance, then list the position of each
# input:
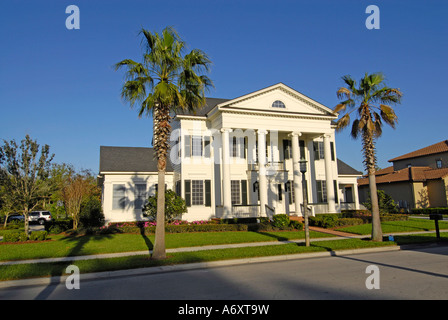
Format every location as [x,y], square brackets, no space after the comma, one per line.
[162,130]
[369,161]
[159,251]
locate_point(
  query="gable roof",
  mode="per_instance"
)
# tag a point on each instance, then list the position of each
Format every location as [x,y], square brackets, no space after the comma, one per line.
[432,149]
[229,104]
[345,169]
[210,103]
[411,174]
[129,159]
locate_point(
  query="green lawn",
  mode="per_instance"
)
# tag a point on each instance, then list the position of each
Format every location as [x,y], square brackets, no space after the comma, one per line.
[411,225]
[61,246]
[57,269]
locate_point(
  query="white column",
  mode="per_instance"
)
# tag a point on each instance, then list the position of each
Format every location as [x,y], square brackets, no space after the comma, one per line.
[329,175]
[296,169]
[263,185]
[226,191]
[355,196]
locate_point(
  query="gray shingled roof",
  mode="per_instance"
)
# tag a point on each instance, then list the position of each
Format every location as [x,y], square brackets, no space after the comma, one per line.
[129,159]
[210,103]
[344,168]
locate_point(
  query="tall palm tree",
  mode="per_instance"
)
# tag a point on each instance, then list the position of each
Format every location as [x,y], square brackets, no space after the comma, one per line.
[372,101]
[164,81]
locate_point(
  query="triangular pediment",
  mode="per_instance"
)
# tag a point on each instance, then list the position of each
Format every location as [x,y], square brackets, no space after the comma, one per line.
[278,98]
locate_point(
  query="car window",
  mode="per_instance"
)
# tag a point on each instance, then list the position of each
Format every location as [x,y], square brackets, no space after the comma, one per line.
[34,214]
[46,213]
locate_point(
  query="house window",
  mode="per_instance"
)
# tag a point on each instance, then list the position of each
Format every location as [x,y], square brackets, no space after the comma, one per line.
[140,196]
[235,191]
[289,188]
[238,147]
[287,149]
[118,196]
[319,151]
[321,191]
[197,146]
[197,192]
[438,164]
[278,104]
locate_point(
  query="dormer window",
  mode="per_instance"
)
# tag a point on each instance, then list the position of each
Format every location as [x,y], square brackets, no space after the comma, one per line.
[278,104]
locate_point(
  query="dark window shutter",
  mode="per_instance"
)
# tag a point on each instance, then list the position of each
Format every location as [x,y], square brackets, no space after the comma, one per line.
[332,150]
[208,193]
[316,150]
[188,192]
[244,192]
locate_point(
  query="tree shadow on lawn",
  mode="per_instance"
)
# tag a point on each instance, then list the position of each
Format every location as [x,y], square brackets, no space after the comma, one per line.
[59,269]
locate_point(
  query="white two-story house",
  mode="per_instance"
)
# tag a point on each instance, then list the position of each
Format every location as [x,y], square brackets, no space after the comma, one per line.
[239,158]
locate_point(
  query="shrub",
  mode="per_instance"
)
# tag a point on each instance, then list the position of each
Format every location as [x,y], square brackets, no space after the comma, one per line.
[58,226]
[385,202]
[91,214]
[280,221]
[296,224]
[324,220]
[38,235]
[175,206]
[15,237]
[442,210]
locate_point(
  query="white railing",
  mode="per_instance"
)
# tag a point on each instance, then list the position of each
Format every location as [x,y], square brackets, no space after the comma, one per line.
[347,206]
[245,211]
[270,166]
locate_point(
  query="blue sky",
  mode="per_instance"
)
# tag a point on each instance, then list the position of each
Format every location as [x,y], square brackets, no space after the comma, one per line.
[58,85]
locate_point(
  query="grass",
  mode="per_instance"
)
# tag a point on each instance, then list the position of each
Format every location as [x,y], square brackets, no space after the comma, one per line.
[63,246]
[412,225]
[86,266]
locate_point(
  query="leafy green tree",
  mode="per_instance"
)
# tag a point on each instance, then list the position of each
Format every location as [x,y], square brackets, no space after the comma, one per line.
[372,101]
[385,203]
[175,206]
[165,81]
[24,174]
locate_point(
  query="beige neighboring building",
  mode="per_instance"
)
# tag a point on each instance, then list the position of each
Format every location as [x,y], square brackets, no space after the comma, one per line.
[418,179]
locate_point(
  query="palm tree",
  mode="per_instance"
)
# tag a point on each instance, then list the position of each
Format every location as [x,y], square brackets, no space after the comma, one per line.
[165,81]
[372,100]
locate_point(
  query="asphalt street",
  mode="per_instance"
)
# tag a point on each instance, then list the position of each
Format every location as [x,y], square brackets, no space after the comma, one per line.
[420,273]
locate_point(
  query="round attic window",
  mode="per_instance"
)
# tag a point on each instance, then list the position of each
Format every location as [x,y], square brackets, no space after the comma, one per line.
[278,104]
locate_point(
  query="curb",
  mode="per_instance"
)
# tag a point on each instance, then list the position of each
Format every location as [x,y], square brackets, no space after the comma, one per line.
[190,266]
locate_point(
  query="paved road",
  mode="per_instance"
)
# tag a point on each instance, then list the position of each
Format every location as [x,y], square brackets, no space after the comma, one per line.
[407,274]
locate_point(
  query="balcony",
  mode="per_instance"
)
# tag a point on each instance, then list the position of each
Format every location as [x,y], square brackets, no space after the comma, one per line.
[270,166]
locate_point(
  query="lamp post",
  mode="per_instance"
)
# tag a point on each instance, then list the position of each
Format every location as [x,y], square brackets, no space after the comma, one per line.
[305,202]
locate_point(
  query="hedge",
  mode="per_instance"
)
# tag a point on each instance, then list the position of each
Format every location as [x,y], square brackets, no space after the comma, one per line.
[21,236]
[442,210]
[15,237]
[333,220]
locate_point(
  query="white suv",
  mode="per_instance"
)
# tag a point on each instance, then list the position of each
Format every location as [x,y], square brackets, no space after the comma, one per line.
[39,216]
